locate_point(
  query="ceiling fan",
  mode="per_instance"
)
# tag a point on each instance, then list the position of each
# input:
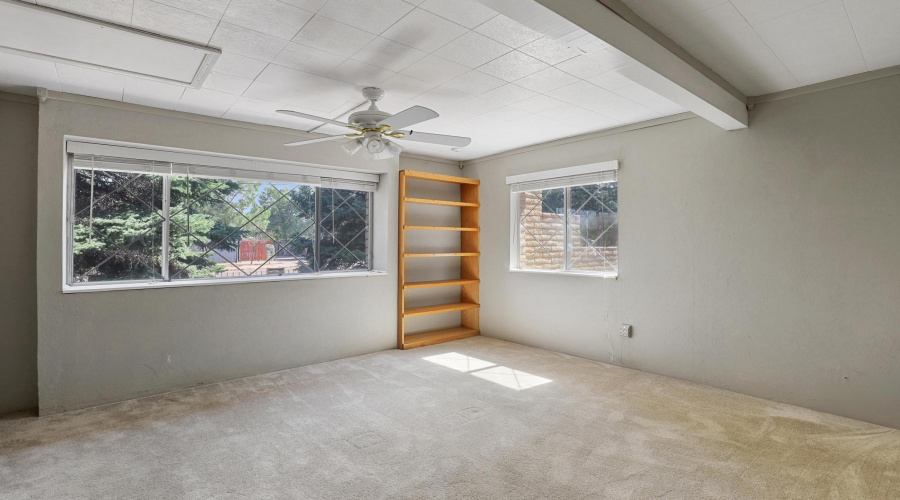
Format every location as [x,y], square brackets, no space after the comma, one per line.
[372,127]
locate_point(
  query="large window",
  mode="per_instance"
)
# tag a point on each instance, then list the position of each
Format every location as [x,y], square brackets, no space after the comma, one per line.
[566,221]
[138,221]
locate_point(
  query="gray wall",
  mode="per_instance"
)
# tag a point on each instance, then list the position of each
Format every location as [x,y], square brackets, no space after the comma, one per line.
[765,261]
[18,308]
[95,348]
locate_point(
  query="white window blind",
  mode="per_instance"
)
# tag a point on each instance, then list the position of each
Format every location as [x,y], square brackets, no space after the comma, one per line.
[166,168]
[133,158]
[562,182]
[595,173]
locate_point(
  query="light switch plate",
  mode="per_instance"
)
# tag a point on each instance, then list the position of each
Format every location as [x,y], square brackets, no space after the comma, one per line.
[625,331]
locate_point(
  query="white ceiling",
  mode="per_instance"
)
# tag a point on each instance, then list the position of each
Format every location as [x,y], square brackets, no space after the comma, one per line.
[489,77]
[765,46]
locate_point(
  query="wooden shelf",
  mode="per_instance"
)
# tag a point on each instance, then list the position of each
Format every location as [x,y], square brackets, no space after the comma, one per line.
[438,336]
[428,176]
[431,284]
[450,254]
[440,308]
[428,201]
[441,228]
[468,283]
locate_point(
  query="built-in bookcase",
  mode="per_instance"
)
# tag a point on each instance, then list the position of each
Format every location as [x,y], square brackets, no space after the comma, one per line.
[469,254]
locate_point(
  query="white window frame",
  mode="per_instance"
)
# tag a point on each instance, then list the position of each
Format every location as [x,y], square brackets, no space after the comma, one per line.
[246,167]
[547,179]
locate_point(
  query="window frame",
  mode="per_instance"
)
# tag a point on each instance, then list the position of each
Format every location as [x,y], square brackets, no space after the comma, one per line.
[562,175]
[68,209]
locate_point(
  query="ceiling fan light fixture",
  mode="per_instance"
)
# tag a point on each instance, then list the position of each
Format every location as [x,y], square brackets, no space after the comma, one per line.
[351,147]
[393,148]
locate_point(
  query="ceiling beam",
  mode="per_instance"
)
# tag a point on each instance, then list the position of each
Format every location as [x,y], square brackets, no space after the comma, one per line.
[660,69]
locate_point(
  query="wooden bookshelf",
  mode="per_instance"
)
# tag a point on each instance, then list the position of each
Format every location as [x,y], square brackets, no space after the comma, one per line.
[468,253]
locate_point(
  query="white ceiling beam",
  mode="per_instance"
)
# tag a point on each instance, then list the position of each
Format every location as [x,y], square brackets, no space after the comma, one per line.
[660,70]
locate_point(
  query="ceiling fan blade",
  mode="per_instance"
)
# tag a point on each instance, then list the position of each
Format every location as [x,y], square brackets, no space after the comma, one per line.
[320,139]
[443,140]
[311,117]
[410,116]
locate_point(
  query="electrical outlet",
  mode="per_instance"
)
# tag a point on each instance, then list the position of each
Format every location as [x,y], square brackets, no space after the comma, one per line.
[625,330]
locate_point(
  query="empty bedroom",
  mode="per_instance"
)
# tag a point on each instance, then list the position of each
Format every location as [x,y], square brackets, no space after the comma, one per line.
[450,249]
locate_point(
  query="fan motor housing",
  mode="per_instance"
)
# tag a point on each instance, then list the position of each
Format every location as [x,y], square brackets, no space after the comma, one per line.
[367,117]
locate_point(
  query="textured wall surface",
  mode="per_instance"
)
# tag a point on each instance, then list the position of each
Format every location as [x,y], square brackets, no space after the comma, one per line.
[99,347]
[765,261]
[18,308]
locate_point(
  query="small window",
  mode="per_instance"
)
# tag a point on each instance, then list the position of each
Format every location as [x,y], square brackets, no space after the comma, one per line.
[136,221]
[565,221]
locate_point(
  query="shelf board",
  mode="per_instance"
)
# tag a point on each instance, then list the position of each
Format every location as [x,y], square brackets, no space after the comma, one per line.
[451,254]
[428,176]
[438,336]
[436,283]
[440,308]
[428,201]
[442,228]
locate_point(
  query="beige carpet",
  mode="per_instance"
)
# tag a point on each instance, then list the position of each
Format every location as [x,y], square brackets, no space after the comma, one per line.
[477,418]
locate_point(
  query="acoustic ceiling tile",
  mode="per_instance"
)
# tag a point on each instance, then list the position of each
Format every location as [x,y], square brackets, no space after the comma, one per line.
[434,69]
[538,104]
[388,54]
[468,13]
[759,11]
[508,94]
[374,17]
[474,83]
[550,51]
[423,30]
[244,67]
[331,36]
[267,16]
[163,19]
[210,8]
[116,11]
[441,98]
[816,44]
[610,80]
[245,42]
[226,83]
[360,73]
[507,31]
[877,27]
[310,5]
[472,50]
[405,87]
[546,80]
[308,59]
[630,112]
[513,66]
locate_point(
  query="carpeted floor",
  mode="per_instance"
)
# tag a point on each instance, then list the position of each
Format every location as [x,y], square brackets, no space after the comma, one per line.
[477,418]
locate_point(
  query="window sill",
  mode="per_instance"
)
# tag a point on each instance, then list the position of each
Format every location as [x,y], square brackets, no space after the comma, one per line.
[142,285]
[589,274]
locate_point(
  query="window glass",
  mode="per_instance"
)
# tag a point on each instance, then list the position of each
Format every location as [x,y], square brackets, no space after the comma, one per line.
[593,219]
[542,229]
[344,230]
[566,229]
[233,228]
[117,226]
[124,225]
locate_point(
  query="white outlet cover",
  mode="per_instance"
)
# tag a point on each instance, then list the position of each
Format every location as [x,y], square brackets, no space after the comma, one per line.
[625,330]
